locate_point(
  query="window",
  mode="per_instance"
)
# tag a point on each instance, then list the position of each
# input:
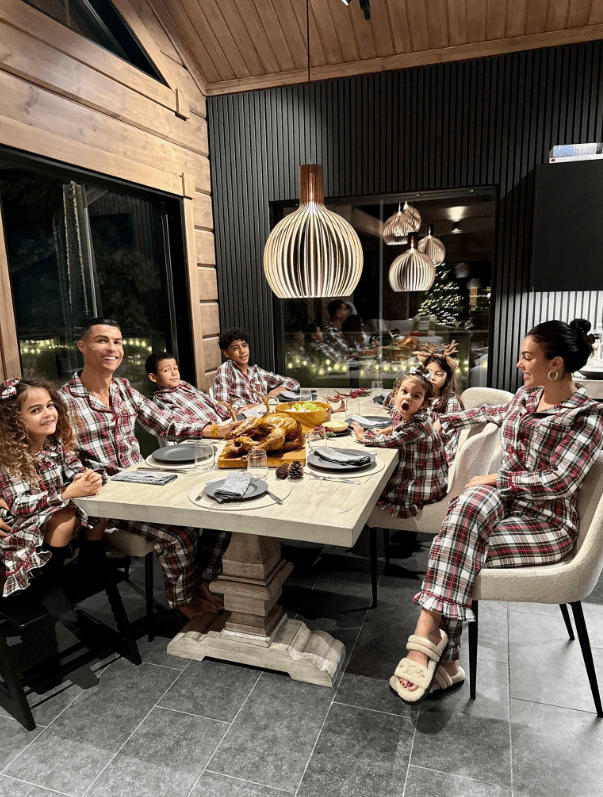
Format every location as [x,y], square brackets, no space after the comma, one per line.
[383,329]
[99,21]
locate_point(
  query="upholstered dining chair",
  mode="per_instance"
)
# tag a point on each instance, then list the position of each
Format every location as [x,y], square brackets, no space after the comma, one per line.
[133,545]
[569,581]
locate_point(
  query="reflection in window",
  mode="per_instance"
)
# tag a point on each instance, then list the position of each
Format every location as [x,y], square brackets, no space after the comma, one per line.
[350,341]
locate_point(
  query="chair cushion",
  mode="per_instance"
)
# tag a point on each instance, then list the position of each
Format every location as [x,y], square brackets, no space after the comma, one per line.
[128,543]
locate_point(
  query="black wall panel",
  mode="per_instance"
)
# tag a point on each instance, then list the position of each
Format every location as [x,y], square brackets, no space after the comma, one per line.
[473,123]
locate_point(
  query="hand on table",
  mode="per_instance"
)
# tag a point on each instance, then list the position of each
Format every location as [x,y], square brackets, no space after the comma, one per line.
[84,484]
[477,481]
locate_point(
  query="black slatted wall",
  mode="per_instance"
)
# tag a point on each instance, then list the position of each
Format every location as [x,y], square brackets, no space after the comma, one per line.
[473,123]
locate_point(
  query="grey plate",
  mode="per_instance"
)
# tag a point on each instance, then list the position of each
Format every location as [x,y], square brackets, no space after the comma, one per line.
[255,490]
[289,395]
[383,422]
[317,462]
[181,454]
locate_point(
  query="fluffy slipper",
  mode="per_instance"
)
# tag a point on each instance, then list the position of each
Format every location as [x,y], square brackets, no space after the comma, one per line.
[444,681]
[418,674]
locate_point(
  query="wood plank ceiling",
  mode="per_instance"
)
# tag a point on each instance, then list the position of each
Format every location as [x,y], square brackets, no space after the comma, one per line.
[240,45]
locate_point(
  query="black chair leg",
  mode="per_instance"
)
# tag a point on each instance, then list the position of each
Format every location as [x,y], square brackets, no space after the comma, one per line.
[568,622]
[386,548]
[12,694]
[473,635]
[148,586]
[587,654]
[373,554]
[131,651]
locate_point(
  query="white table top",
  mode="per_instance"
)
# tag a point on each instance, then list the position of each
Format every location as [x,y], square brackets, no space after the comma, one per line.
[315,511]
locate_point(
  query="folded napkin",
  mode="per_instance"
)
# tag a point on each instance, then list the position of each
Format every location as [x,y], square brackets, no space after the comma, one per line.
[349,458]
[235,485]
[365,421]
[145,478]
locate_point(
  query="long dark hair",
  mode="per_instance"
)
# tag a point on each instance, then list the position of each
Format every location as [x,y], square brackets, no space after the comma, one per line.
[570,341]
[449,387]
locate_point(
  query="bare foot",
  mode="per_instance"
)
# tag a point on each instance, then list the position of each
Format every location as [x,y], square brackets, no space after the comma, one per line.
[198,606]
[204,591]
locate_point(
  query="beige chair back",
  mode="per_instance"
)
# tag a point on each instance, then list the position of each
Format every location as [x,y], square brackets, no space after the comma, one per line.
[478,396]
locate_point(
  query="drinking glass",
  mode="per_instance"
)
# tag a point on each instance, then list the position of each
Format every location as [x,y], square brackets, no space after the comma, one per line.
[376,387]
[204,456]
[353,407]
[305,394]
[316,437]
[257,463]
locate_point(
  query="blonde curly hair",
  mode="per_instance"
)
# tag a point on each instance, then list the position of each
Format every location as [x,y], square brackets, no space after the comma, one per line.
[16,454]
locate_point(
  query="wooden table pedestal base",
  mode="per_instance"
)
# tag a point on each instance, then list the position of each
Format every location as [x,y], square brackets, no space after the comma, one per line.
[253,629]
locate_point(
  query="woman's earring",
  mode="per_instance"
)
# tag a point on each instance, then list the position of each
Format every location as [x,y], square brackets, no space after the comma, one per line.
[555,377]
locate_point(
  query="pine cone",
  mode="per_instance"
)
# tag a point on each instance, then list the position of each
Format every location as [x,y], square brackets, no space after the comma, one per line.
[296,471]
[282,471]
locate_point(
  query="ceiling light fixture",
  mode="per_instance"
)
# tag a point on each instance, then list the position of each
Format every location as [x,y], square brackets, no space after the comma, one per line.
[412,271]
[396,229]
[312,252]
[432,247]
[455,227]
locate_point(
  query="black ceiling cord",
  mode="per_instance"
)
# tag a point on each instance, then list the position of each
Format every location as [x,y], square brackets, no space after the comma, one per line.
[365,5]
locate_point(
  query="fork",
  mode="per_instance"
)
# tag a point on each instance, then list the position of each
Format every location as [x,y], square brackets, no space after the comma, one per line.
[329,479]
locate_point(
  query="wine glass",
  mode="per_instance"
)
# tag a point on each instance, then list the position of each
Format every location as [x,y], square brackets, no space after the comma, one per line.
[257,463]
[316,437]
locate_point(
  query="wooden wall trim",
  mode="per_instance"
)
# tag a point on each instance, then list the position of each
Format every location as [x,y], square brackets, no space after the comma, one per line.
[10,363]
[196,322]
[403,61]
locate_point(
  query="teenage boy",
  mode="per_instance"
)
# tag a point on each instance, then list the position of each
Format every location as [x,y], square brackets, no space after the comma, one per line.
[338,311]
[241,384]
[104,410]
[176,396]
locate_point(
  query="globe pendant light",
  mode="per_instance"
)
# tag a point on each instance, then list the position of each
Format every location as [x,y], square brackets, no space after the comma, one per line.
[412,270]
[403,222]
[312,251]
[432,247]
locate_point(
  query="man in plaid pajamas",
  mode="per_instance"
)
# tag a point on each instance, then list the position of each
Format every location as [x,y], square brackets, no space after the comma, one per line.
[175,395]
[332,335]
[240,384]
[525,514]
[104,410]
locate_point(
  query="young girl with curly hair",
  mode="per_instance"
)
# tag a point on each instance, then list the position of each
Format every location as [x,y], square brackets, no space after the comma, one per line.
[39,477]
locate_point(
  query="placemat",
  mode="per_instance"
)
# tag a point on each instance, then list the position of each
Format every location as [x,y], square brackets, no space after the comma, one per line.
[282,490]
[347,474]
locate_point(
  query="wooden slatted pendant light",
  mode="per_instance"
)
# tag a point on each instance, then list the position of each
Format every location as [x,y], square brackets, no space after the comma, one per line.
[407,219]
[432,247]
[312,251]
[412,270]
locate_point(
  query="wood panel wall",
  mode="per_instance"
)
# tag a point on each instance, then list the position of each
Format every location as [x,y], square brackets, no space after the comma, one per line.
[473,123]
[64,97]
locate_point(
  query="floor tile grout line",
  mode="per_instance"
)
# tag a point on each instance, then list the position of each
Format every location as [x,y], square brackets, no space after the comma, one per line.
[244,780]
[590,712]
[457,775]
[367,708]
[209,760]
[318,735]
[190,714]
[47,788]
[509,699]
[412,747]
[90,785]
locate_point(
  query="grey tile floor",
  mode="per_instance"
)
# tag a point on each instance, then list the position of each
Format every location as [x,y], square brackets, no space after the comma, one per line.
[211,729]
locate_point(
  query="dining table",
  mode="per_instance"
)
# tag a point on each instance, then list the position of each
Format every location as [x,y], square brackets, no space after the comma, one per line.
[320,507]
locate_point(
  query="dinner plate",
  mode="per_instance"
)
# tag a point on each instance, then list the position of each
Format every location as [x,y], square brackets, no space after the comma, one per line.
[342,433]
[255,490]
[290,395]
[173,466]
[321,464]
[383,422]
[181,454]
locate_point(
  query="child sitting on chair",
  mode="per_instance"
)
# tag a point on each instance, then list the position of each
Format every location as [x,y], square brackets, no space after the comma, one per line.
[175,395]
[421,476]
[241,384]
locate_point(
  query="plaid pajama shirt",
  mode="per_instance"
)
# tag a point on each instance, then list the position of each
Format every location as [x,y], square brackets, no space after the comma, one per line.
[186,399]
[238,389]
[421,476]
[30,506]
[334,340]
[106,442]
[529,517]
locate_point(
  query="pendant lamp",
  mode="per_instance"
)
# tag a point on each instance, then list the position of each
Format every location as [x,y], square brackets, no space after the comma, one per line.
[312,251]
[412,270]
[403,222]
[432,247]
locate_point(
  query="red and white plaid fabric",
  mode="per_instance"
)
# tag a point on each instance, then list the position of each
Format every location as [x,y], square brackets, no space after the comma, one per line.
[105,441]
[333,339]
[421,476]
[186,399]
[30,507]
[239,389]
[450,435]
[530,517]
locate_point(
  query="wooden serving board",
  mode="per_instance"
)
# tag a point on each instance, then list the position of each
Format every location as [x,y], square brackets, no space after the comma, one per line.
[274,459]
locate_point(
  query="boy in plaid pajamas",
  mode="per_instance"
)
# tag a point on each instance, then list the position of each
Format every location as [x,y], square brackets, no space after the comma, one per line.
[240,384]
[175,395]
[523,515]
[421,476]
[104,410]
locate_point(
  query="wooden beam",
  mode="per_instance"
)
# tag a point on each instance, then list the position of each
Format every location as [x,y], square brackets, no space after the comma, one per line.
[405,60]
[10,362]
[164,15]
[196,322]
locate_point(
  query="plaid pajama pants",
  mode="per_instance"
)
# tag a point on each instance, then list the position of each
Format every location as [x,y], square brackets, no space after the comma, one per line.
[175,547]
[484,530]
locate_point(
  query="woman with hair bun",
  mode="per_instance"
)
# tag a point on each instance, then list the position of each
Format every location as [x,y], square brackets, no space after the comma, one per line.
[525,514]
